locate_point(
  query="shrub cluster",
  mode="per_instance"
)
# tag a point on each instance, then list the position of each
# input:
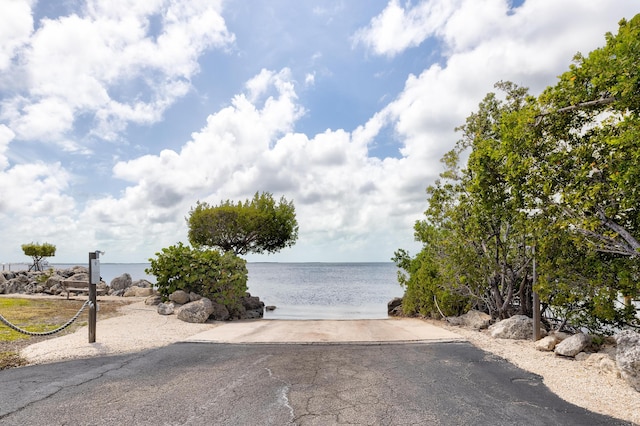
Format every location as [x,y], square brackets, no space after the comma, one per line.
[222,278]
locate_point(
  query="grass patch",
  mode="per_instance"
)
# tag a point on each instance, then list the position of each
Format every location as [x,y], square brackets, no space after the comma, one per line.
[37,316]
[42,315]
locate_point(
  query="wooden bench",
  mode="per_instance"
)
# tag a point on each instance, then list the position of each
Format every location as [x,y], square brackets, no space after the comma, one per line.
[71,286]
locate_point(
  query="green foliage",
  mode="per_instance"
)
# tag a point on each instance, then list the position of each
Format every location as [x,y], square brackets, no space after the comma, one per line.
[42,278]
[475,233]
[259,225]
[559,175]
[426,294]
[38,252]
[583,287]
[221,278]
[590,143]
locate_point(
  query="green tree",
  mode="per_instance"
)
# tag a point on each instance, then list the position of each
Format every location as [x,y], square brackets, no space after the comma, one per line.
[259,225]
[559,173]
[38,252]
[590,143]
[428,293]
[476,230]
[587,154]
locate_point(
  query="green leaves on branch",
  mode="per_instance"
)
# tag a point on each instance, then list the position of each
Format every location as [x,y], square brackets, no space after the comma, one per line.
[259,225]
[591,130]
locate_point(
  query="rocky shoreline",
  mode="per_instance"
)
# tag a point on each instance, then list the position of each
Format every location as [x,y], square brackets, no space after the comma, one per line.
[49,282]
[188,307]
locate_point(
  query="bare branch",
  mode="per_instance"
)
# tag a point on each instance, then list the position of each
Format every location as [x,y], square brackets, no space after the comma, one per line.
[597,102]
[620,230]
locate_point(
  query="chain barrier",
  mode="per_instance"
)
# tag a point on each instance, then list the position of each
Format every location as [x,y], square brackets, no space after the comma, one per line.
[46,333]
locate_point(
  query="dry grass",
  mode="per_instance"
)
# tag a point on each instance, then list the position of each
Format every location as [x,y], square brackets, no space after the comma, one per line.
[41,315]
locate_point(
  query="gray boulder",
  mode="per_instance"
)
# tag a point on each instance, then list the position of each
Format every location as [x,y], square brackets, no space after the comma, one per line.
[546,344]
[180,297]
[394,307]
[474,319]
[572,346]
[154,300]
[53,281]
[79,276]
[253,307]
[560,335]
[628,357]
[142,284]
[196,312]
[122,282]
[220,312]
[166,308]
[18,284]
[516,327]
[79,270]
[135,291]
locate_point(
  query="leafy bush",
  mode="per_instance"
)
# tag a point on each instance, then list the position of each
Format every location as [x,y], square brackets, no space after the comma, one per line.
[425,294]
[221,278]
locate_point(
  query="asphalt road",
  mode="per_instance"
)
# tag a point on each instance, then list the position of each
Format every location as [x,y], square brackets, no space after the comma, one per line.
[282,384]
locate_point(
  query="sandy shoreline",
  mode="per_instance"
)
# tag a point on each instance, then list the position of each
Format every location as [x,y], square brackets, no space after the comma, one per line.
[140,328]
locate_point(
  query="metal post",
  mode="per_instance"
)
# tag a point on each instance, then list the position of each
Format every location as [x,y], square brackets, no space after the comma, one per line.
[94,278]
[536,302]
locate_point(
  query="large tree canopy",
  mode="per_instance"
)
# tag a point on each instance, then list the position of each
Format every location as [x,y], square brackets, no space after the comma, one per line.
[259,225]
[590,143]
[553,178]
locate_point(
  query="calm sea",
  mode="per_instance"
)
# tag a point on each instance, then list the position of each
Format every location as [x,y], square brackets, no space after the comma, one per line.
[304,290]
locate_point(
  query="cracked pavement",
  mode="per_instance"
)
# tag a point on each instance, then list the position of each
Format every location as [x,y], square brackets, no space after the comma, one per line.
[436,383]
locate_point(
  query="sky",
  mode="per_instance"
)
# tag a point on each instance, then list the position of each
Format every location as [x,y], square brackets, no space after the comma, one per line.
[118,116]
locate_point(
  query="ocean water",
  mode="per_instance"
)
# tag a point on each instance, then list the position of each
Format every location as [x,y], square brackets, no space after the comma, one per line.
[325,290]
[304,290]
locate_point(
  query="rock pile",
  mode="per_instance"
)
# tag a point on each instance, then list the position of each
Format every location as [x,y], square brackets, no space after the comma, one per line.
[192,307]
[50,282]
[619,355]
[126,287]
[47,282]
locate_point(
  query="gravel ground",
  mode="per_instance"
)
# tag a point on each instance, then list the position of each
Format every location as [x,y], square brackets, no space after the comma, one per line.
[140,327]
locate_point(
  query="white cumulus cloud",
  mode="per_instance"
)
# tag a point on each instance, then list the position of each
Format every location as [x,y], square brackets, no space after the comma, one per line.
[81,64]
[351,205]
